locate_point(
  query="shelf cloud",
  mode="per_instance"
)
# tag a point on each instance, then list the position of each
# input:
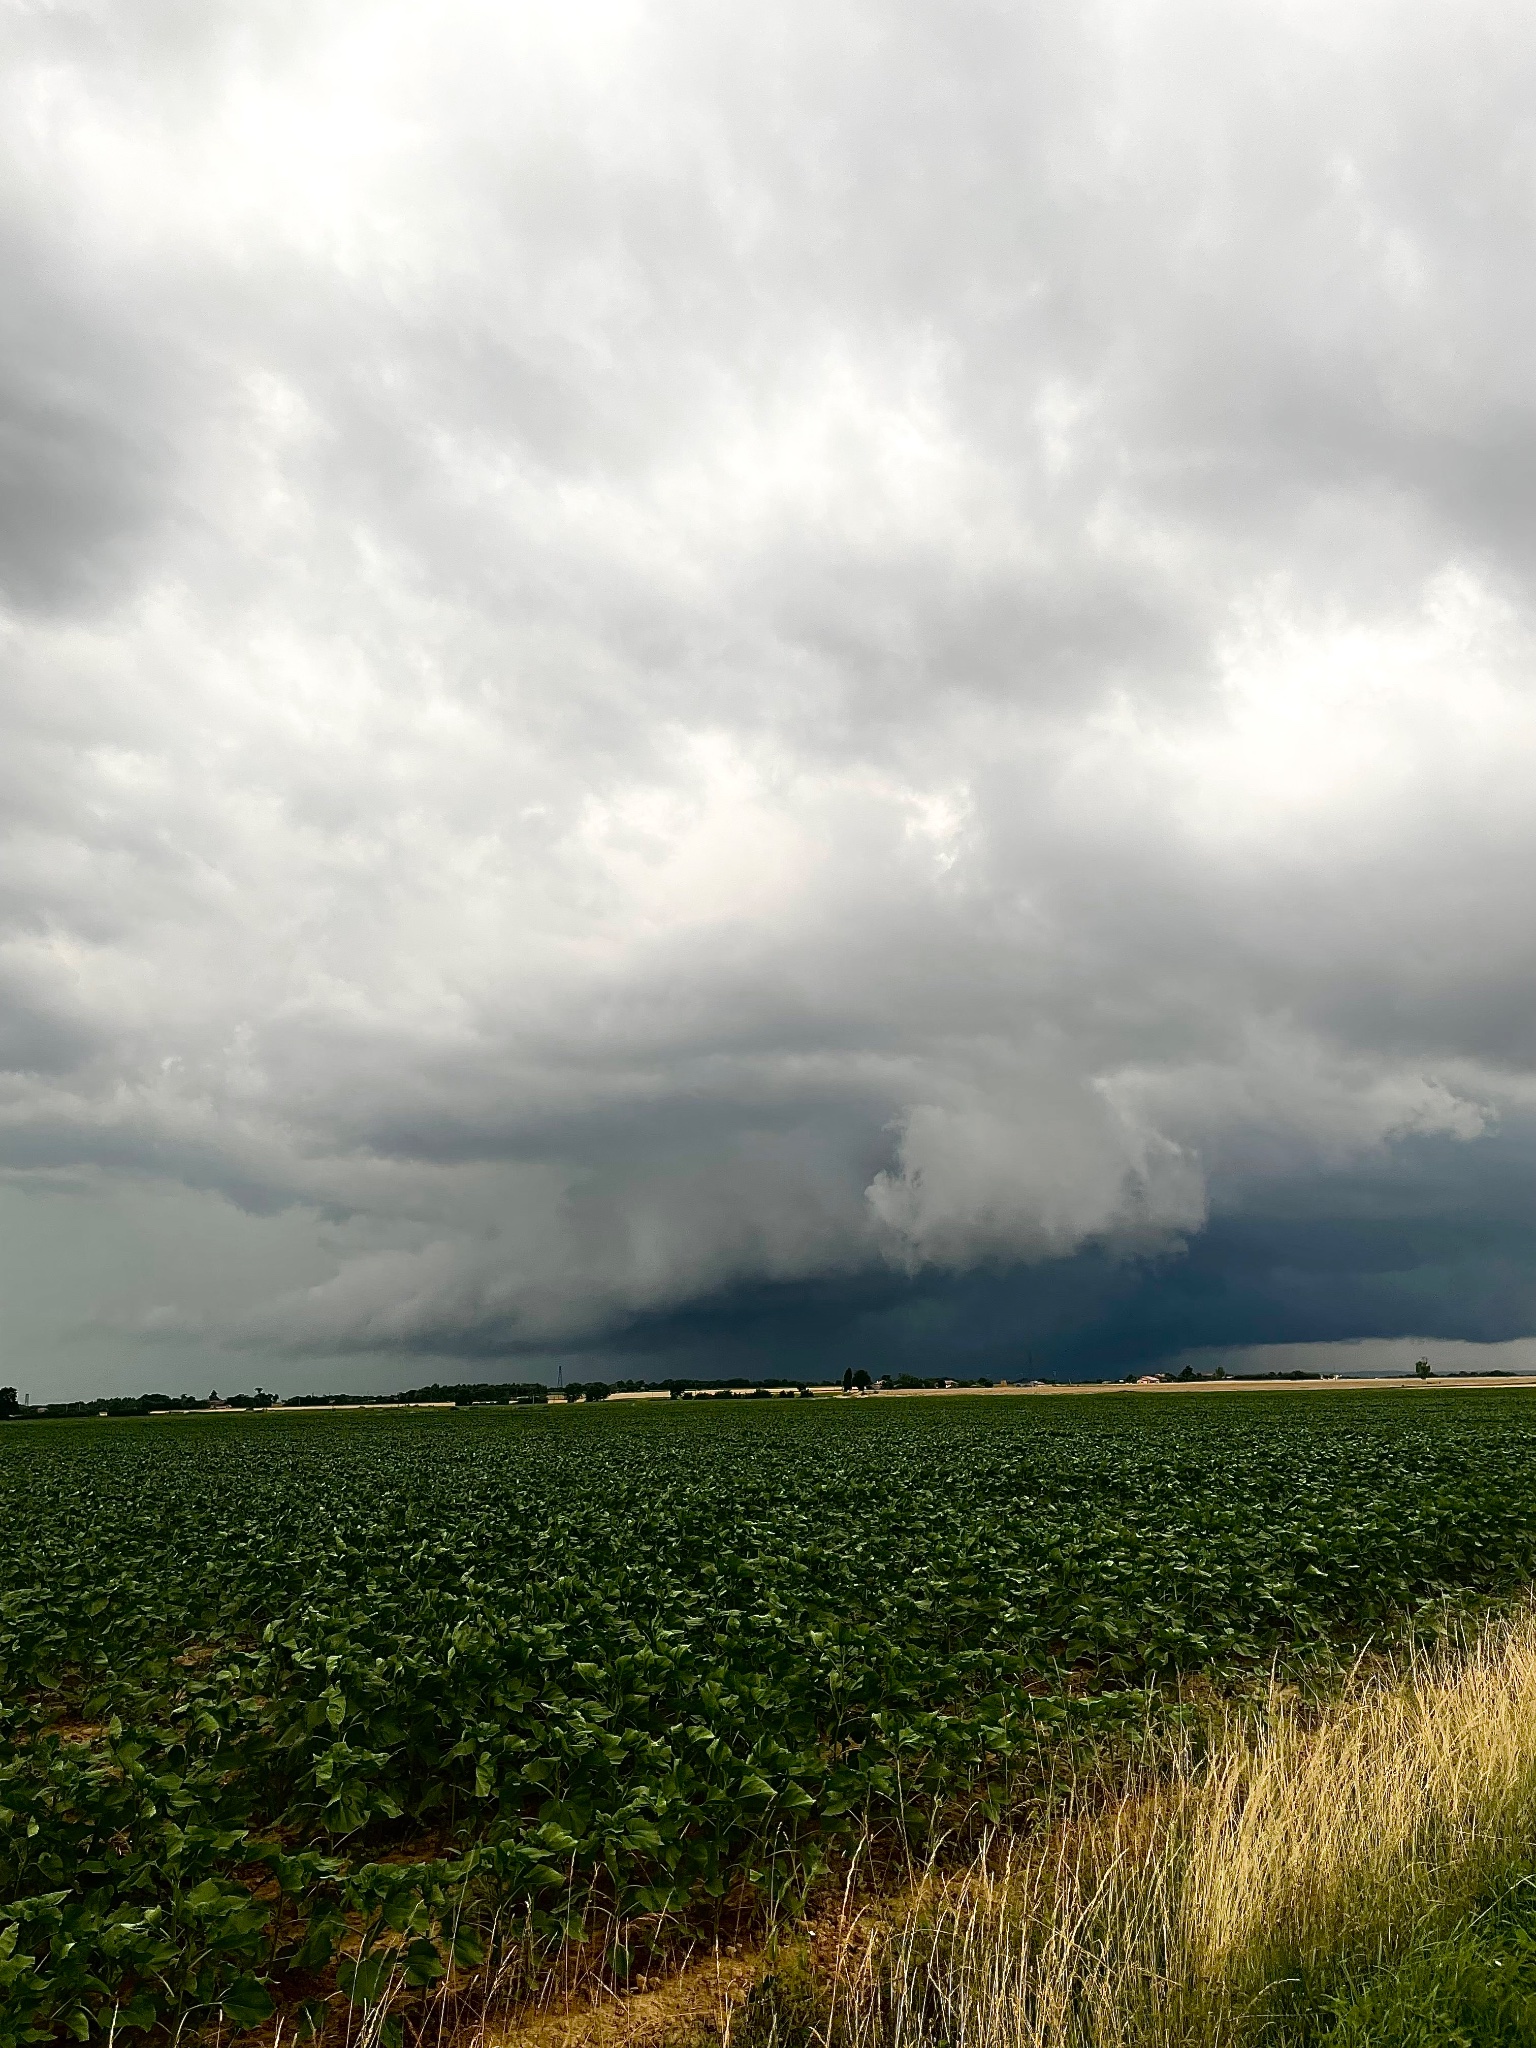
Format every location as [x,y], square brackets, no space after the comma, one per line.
[681,685]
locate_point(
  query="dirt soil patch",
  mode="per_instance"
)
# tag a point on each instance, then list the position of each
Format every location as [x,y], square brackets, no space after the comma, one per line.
[697,2000]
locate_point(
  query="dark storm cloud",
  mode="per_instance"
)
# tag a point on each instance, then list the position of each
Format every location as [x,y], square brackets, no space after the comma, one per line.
[1433,1242]
[859,677]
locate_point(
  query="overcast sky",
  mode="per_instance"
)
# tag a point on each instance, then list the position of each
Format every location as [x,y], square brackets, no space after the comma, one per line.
[688,686]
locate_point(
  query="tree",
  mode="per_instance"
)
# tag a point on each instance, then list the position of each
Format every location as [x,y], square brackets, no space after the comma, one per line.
[8,1403]
[1422,1367]
[848,1380]
[861,1380]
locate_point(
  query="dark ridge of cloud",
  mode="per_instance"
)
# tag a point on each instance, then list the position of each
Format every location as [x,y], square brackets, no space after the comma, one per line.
[1429,1245]
[48,1147]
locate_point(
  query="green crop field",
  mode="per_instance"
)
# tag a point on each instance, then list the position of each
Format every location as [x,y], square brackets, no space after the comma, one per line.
[293,1702]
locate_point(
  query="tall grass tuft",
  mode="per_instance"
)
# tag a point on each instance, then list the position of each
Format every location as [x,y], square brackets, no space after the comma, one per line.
[1230,1899]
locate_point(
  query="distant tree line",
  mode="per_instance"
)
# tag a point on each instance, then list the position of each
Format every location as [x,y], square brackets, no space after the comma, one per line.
[12,1409]
[527,1393]
[458,1393]
[910,1382]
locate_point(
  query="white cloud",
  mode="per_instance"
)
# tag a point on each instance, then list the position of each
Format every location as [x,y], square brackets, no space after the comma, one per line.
[1011,1173]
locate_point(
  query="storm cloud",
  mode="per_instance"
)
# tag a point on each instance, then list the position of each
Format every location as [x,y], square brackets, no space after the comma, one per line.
[690,685]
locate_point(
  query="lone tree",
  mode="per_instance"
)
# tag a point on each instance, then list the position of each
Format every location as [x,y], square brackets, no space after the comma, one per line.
[8,1403]
[1422,1367]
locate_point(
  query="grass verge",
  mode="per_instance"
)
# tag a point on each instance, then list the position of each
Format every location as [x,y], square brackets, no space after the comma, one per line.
[1310,1876]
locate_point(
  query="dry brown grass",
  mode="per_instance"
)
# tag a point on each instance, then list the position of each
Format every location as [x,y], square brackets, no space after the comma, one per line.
[1183,1915]
[696,2004]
